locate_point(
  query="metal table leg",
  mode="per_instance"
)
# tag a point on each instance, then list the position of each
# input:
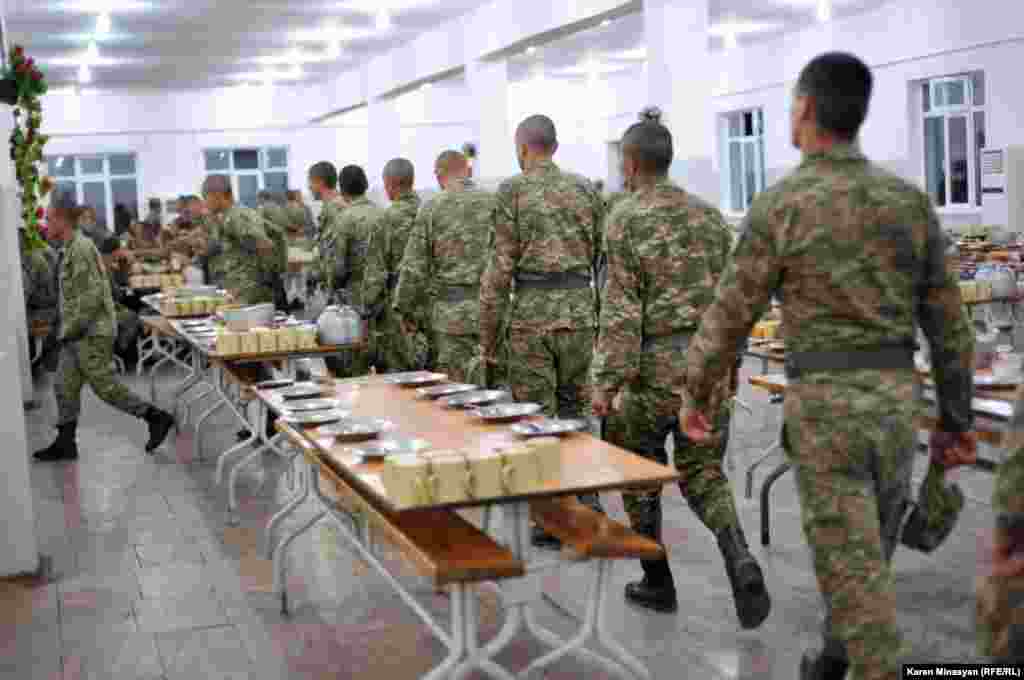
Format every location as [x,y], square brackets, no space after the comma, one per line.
[291,506]
[757,463]
[766,495]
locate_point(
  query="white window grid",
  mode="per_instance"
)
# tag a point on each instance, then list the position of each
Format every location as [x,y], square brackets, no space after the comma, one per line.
[751,159]
[938,91]
[81,177]
[235,174]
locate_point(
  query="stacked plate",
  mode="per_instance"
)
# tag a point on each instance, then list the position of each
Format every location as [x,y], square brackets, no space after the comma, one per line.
[302,391]
[356,429]
[445,390]
[415,379]
[548,427]
[309,405]
[380,449]
[507,411]
[313,417]
[475,399]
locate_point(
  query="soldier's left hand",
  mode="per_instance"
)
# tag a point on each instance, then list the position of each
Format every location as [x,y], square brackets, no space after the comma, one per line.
[602,404]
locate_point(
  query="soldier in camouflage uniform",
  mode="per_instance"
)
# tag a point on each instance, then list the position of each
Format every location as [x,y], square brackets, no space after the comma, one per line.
[857,257]
[276,223]
[239,246]
[395,351]
[1001,595]
[39,281]
[191,231]
[128,325]
[323,185]
[87,326]
[444,260]
[666,251]
[547,241]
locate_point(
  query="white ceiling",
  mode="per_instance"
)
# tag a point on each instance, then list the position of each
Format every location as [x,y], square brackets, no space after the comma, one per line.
[185,44]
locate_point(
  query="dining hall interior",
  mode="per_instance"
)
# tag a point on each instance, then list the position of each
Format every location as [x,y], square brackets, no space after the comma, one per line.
[327,491]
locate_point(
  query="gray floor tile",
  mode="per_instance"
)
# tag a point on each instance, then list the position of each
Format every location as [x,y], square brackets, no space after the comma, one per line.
[168,615]
[213,653]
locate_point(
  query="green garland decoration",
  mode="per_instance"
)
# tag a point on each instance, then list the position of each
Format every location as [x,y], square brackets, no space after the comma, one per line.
[27,143]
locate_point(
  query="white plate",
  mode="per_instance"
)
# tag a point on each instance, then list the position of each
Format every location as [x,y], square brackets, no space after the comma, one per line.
[416,379]
[390,447]
[275,384]
[507,411]
[314,417]
[439,391]
[302,391]
[548,427]
[990,380]
[356,429]
[473,399]
[306,405]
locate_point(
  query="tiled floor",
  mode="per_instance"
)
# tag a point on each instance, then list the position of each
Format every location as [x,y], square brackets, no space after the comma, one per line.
[150,582]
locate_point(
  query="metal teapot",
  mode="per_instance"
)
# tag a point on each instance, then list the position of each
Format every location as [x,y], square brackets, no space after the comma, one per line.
[339,326]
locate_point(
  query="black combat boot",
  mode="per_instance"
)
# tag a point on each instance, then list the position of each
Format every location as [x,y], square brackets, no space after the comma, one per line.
[64,448]
[160,423]
[821,666]
[657,590]
[748,590]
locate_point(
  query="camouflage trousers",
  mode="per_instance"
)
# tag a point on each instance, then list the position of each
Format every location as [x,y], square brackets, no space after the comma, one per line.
[647,417]
[128,328]
[393,350]
[455,356]
[552,369]
[89,362]
[851,440]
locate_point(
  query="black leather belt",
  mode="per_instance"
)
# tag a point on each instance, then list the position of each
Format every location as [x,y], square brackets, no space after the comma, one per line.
[392,281]
[878,359]
[460,293]
[551,281]
[679,341]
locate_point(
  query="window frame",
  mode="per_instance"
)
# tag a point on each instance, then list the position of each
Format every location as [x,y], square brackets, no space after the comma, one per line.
[260,173]
[757,141]
[968,111]
[80,178]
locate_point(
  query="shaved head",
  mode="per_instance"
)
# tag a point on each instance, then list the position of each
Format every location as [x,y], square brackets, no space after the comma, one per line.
[400,170]
[217,184]
[537,132]
[450,162]
[650,144]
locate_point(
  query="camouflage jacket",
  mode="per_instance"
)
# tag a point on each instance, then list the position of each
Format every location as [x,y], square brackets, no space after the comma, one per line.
[238,231]
[86,301]
[276,220]
[385,251]
[330,216]
[447,247]
[546,222]
[191,241]
[351,238]
[666,251]
[38,279]
[857,257]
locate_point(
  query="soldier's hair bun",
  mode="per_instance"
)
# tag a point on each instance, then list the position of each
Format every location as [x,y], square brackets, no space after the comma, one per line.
[651,114]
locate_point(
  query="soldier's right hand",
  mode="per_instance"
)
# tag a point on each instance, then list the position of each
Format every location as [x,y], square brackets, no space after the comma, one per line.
[952,449]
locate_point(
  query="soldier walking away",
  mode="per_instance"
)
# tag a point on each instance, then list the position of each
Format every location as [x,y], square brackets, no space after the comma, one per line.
[666,251]
[547,242]
[857,257]
[87,329]
[444,260]
[395,350]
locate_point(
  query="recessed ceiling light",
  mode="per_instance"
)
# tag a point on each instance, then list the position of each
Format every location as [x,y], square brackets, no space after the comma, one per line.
[635,54]
[383,20]
[92,53]
[824,10]
[103,24]
[84,74]
[295,72]
[606,23]
[100,6]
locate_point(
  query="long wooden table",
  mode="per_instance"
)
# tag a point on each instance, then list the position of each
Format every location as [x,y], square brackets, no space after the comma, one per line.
[588,465]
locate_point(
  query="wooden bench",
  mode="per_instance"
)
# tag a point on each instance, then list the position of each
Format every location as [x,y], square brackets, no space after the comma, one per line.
[440,544]
[587,534]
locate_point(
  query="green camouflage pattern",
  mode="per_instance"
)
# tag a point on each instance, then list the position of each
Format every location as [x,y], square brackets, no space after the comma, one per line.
[552,369]
[90,362]
[86,301]
[447,247]
[857,257]
[457,357]
[665,250]
[192,240]
[39,282]
[395,352]
[243,271]
[546,222]
[327,227]
[350,239]
[1000,606]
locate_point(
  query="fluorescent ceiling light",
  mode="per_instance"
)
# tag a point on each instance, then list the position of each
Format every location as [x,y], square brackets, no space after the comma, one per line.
[824,10]
[103,24]
[333,51]
[100,6]
[77,61]
[330,34]
[635,54]
[736,28]
[269,74]
[591,70]
[92,53]
[730,41]
[426,86]
[84,74]
[531,50]
[606,23]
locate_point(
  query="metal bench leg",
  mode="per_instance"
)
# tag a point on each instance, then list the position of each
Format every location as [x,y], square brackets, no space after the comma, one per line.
[757,463]
[281,558]
[289,507]
[766,495]
[457,651]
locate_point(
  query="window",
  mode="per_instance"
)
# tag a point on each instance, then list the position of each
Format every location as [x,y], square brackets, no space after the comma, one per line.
[743,158]
[252,170]
[100,181]
[954,136]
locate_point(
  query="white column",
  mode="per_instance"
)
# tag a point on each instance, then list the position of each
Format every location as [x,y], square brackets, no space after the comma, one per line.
[20,551]
[679,81]
[488,85]
[385,136]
